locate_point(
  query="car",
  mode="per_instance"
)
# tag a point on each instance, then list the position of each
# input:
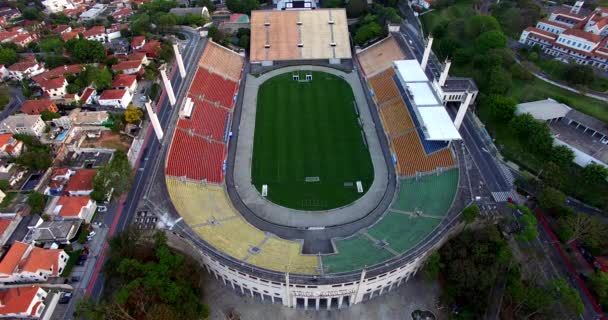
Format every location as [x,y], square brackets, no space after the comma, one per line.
[102,208]
[143,98]
[97,223]
[65,297]
[75,278]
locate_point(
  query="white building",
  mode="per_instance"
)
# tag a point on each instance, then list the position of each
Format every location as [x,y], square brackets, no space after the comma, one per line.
[26,263]
[24,70]
[55,6]
[23,123]
[92,13]
[22,302]
[117,98]
[68,208]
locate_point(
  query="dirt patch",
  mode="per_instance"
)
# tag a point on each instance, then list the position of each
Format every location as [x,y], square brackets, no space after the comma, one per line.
[109,140]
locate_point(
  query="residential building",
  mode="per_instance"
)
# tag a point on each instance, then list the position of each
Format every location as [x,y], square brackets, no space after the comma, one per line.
[96,33]
[117,98]
[93,12]
[122,14]
[125,81]
[22,302]
[56,6]
[59,177]
[572,36]
[23,123]
[9,13]
[54,88]
[10,146]
[34,107]
[128,67]
[138,42]
[24,69]
[26,263]
[55,231]
[113,32]
[67,208]
[11,173]
[87,95]
[62,71]
[151,48]
[81,183]
[23,40]
[61,29]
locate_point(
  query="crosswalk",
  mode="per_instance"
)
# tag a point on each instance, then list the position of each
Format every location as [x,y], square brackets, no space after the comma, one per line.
[507,173]
[503,196]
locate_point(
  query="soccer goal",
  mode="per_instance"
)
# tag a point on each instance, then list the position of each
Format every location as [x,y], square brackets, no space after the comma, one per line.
[296,76]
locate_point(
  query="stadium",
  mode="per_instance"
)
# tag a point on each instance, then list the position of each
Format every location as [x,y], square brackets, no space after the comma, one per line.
[307,185]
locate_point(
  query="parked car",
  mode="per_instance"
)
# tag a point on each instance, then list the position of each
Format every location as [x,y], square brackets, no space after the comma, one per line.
[102,208]
[65,297]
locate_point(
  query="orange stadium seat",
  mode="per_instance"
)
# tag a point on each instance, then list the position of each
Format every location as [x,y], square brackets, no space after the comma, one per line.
[384,86]
[411,157]
[196,158]
[222,61]
[213,87]
[206,120]
[396,118]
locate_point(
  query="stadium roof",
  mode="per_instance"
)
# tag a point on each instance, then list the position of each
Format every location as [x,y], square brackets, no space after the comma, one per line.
[438,124]
[424,99]
[299,35]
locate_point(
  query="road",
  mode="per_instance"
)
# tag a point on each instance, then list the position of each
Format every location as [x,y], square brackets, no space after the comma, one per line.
[14,105]
[119,218]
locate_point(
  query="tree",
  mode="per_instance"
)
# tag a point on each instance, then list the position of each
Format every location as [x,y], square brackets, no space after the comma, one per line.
[140,24]
[568,296]
[113,179]
[49,115]
[37,159]
[479,24]
[529,231]
[599,285]
[579,74]
[367,32]
[87,51]
[491,40]
[36,201]
[551,199]
[470,213]
[244,42]
[31,13]
[8,56]
[133,114]
[502,108]
[562,156]
[101,78]
[595,173]
[496,81]
[5,185]
[51,44]
[242,6]
[433,265]
[582,227]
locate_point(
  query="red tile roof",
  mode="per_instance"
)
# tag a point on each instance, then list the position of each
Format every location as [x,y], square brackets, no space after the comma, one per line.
[555,23]
[137,41]
[60,28]
[53,83]
[5,138]
[20,38]
[37,106]
[69,35]
[59,71]
[12,258]
[71,206]
[151,48]
[42,259]
[94,31]
[82,180]
[112,94]
[122,12]
[583,35]
[124,80]
[17,300]
[567,13]
[118,27]
[22,65]
[542,33]
[88,91]
[7,34]
[4,223]
[124,65]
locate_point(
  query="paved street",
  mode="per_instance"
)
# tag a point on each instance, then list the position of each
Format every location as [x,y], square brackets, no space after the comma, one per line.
[121,211]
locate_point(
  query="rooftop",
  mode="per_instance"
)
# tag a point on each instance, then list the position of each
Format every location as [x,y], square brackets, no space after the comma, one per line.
[70,206]
[82,180]
[36,106]
[18,300]
[112,94]
[51,231]
[13,256]
[544,109]
[42,259]
[124,80]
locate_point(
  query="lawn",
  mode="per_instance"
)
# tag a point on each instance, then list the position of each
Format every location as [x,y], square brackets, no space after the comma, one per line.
[308,131]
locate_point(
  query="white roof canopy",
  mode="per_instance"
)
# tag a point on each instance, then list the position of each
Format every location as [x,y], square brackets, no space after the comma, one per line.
[438,124]
[423,94]
[410,70]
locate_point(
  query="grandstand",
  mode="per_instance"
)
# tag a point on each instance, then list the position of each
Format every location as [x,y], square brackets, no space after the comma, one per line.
[384,87]
[213,87]
[207,120]
[320,34]
[379,56]
[222,61]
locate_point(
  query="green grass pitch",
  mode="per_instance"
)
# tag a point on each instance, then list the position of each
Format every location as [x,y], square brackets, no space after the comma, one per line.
[309,129]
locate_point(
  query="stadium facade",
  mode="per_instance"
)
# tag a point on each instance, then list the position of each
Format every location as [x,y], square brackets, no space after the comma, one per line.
[318,267]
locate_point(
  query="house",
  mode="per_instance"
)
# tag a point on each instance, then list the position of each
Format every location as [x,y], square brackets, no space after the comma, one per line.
[122,14]
[81,183]
[70,69]
[113,32]
[96,33]
[55,6]
[23,40]
[37,106]
[87,95]
[56,231]
[9,13]
[54,88]
[59,177]
[117,98]
[125,81]
[10,146]
[128,67]
[11,173]
[3,72]
[24,69]
[7,36]
[138,42]
[67,208]
[80,117]
[23,123]
[61,29]
[8,224]
[93,12]
[152,48]
[26,263]
[22,302]
[139,56]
